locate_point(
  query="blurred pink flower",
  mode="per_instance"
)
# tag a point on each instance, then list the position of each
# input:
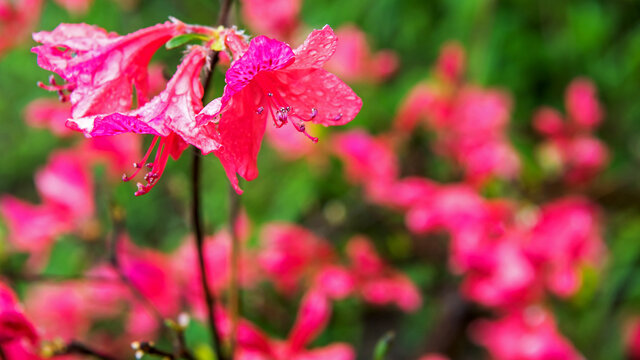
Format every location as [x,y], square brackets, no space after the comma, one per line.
[17,20]
[217,252]
[14,325]
[502,276]
[566,238]
[274,18]
[470,122]
[368,160]
[50,114]
[312,318]
[376,281]
[60,310]
[75,7]
[582,104]
[570,147]
[354,62]
[290,253]
[433,357]
[527,335]
[451,63]
[66,188]
[272,82]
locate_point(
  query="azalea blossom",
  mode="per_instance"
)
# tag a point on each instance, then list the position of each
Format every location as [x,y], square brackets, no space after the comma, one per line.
[354,61]
[66,189]
[271,83]
[100,68]
[570,147]
[274,18]
[312,318]
[527,335]
[170,116]
[17,20]
[14,325]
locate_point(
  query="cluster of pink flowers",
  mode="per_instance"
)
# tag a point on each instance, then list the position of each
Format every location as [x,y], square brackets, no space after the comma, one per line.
[66,310]
[470,122]
[570,147]
[509,254]
[266,82]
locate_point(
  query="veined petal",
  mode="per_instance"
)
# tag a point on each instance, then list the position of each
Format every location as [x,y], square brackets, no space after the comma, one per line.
[316,50]
[333,100]
[264,54]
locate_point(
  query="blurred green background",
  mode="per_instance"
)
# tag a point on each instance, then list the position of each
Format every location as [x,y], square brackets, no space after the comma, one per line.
[532,49]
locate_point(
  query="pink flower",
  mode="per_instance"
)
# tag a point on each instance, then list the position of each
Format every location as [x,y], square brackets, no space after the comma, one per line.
[116,152]
[275,18]
[570,148]
[503,275]
[527,335]
[433,357]
[149,271]
[170,116]
[312,318]
[75,7]
[290,253]
[217,251]
[566,238]
[66,188]
[60,310]
[50,114]
[100,68]
[582,103]
[632,340]
[378,283]
[273,82]
[17,19]
[353,60]
[369,161]
[14,326]
[451,62]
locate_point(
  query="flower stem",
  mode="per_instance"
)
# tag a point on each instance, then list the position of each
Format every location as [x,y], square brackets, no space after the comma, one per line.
[196,214]
[234,286]
[197,227]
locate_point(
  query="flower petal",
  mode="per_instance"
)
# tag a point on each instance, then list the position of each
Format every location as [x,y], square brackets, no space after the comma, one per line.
[316,50]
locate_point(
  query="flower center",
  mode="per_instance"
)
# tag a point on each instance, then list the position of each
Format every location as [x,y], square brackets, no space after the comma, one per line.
[281,113]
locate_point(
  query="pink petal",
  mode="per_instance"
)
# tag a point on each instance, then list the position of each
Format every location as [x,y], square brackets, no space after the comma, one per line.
[333,100]
[313,316]
[264,54]
[316,50]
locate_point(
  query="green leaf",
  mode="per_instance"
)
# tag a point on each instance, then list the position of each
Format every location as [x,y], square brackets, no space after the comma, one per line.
[382,347]
[184,39]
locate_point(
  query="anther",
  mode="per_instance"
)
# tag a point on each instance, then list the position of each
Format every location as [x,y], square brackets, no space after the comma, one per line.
[260,110]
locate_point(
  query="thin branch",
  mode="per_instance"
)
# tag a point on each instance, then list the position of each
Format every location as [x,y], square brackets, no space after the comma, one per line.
[118,228]
[196,212]
[234,291]
[149,348]
[77,348]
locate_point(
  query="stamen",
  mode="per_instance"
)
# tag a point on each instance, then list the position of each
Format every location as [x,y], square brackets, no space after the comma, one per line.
[137,166]
[260,110]
[303,129]
[60,89]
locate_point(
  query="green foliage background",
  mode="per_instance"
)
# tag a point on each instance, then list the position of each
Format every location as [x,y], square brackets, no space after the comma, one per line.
[533,49]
